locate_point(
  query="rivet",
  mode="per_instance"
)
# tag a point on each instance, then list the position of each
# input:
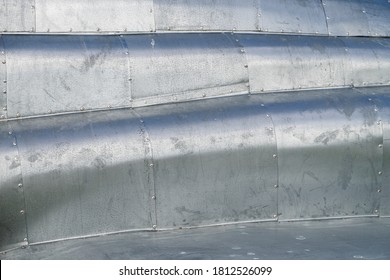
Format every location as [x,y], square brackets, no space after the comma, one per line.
[23,247]
[281,30]
[380,146]
[376,211]
[70,29]
[126,52]
[274,156]
[32,30]
[98,29]
[242,50]
[32,7]
[230,91]
[378,122]
[299,31]
[275,216]
[124,29]
[363,11]
[17,115]
[153,197]
[5,108]
[154,226]
[375,110]
[379,190]
[151,165]
[234,29]
[14,144]
[246,65]
[237,40]
[25,239]
[204,95]
[151,10]
[268,115]
[348,33]
[10,132]
[5,91]
[82,108]
[2,117]
[169,28]
[327,17]
[261,89]
[48,30]
[20,185]
[4,81]
[141,121]
[3,62]
[49,111]
[275,186]
[262,105]
[379,172]
[22,212]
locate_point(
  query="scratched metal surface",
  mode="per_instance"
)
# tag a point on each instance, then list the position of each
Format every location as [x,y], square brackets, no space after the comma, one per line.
[357,17]
[3,80]
[73,73]
[12,206]
[354,239]
[325,17]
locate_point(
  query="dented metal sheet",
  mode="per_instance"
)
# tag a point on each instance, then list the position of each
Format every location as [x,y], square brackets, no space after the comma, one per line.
[3,81]
[179,67]
[329,154]
[12,208]
[206,15]
[293,16]
[49,74]
[84,174]
[357,17]
[17,15]
[214,162]
[278,62]
[94,16]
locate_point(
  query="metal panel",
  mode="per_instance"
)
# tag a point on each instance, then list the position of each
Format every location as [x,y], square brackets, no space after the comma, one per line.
[92,16]
[358,17]
[12,209]
[385,188]
[178,67]
[213,162]
[329,158]
[84,174]
[206,14]
[279,62]
[297,16]
[17,15]
[368,61]
[3,81]
[49,74]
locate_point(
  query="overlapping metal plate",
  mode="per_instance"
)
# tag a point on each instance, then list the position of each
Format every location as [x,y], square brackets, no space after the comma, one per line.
[13,233]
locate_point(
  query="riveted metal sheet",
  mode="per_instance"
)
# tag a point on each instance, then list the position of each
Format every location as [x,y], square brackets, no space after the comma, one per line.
[281,62]
[84,174]
[329,159]
[368,61]
[177,67]
[206,15]
[49,74]
[12,209]
[3,81]
[296,16]
[92,16]
[213,161]
[17,15]
[358,17]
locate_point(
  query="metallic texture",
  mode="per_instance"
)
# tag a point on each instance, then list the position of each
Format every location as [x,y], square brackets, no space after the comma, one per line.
[94,16]
[58,74]
[325,17]
[200,163]
[12,221]
[3,81]
[17,15]
[358,17]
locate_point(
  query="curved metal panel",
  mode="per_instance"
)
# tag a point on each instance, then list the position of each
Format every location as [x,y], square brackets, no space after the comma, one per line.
[49,74]
[278,62]
[17,15]
[329,158]
[358,17]
[178,67]
[213,162]
[3,81]
[12,209]
[98,15]
[84,174]
[206,15]
[295,16]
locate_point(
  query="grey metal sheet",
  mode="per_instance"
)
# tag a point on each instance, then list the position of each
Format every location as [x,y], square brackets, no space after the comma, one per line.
[329,158]
[358,17]
[282,62]
[3,81]
[98,15]
[206,15]
[178,67]
[213,162]
[351,239]
[12,209]
[84,174]
[49,74]
[296,16]
[17,15]
[385,188]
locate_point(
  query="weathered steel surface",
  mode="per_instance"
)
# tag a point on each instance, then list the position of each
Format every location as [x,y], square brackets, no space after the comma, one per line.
[12,208]
[3,81]
[57,74]
[326,17]
[17,15]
